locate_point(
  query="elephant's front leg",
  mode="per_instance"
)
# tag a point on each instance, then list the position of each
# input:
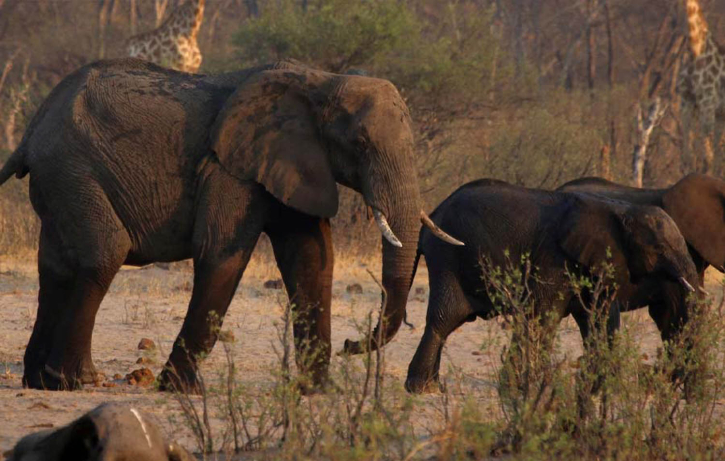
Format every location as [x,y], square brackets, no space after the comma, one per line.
[229,222]
[215,281]
[303,250]
[448,308]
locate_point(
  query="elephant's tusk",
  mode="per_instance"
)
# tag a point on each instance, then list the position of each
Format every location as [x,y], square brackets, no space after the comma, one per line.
[385,228]
[437,231]
[686,284]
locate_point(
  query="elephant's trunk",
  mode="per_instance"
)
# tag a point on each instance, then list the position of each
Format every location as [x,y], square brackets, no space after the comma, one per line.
[402,219]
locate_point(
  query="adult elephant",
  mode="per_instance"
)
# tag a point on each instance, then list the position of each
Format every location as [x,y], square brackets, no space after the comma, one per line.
[560,232]
[696,203]
[131,163]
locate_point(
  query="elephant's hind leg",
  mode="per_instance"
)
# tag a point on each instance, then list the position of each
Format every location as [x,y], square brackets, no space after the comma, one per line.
[448,309]
[303,250]
[56,285]
[94,245]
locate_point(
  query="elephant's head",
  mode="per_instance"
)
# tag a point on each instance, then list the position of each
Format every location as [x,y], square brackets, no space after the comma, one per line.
[639,241]
[299,132]
[697,204]
[109,432]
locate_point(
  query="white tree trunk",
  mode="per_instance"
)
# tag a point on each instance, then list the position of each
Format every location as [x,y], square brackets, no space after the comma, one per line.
[644,131]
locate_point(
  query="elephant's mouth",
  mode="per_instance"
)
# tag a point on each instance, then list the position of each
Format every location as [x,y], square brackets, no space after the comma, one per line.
[389,235]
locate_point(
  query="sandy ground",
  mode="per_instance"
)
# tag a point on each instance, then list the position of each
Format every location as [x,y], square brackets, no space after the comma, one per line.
[151,303]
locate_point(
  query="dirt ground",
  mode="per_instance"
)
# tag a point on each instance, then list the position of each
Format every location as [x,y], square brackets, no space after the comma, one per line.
[151,303]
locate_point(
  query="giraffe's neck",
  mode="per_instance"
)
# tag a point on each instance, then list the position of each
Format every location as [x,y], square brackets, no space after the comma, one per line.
[185,20]
[699,33]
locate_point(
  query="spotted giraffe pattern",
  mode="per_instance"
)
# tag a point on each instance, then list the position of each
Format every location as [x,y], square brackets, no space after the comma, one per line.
[173,44]
[702,79]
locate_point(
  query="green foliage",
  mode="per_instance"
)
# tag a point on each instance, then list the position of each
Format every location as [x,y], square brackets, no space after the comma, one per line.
[551,143]
[334,34]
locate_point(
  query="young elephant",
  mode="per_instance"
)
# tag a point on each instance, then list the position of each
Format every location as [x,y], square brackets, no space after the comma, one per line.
[559,232]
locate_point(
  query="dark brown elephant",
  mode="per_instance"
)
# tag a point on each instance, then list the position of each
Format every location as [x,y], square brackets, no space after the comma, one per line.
[696,203]
[109,432]
[131,163]
[559,232]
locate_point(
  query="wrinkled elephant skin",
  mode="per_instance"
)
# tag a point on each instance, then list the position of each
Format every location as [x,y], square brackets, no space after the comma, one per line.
[130,163]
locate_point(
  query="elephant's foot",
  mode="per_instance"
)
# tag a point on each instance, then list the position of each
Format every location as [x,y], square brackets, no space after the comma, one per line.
[51,380]
[89,374]
[319,384]
[178,380]
[416,385]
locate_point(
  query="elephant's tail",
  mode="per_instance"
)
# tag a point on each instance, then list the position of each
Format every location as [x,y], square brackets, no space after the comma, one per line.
[412,277]
[14,166]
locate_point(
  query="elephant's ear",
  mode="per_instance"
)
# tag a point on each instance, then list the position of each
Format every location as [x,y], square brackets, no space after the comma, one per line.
[591,233]
[267,132]
[697,205]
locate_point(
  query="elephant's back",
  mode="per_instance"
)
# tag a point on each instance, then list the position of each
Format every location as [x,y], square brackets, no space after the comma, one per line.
[610,190]
[495,219]
[136,130]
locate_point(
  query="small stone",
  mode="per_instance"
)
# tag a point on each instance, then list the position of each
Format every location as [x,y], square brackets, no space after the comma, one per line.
[146,344]
[476,353]
[41,405]
[144,360]
[226,336]
[354,289]
[275,284]
[140,377]
[20,394]
[118,376]
[109,384]
[419,290]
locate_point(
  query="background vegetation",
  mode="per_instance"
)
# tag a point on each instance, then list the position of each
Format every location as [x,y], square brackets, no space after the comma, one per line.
[532,92]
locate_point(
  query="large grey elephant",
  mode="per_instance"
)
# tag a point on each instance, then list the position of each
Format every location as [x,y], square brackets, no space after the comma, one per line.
[131,163]
[560,232]
[109,432]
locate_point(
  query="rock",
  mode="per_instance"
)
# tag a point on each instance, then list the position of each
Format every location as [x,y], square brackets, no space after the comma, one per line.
[273,284]
[146,344]
[354,289]
[141,377]
[476,353]
[118,376]
[226,336]
[144,361]
[41,405]
[109,384]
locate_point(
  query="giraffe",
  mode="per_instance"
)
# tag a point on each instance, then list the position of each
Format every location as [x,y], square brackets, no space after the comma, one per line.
[701,82]
[173,43]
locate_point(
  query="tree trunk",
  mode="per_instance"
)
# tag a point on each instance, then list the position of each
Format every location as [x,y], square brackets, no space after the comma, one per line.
[160,7]
[610,45]
[644,131]
[591,45]
[253,8]
[133,18]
